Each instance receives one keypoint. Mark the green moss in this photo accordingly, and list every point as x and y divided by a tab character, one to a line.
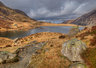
93	32
4	52
90	57
16	59
75	27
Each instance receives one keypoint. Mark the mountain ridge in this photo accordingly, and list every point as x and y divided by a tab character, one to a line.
86	19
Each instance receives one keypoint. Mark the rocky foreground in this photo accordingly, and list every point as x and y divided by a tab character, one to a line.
49	52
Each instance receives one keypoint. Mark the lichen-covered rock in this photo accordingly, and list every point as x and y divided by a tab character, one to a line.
78	65
6	57
72	49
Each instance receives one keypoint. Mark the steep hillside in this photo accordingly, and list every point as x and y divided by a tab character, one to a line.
12	14
14	19
89	18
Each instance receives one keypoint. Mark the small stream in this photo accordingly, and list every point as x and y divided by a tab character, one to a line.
19	34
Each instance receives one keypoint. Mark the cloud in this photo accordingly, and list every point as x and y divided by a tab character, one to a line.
51	8
66	8
80	10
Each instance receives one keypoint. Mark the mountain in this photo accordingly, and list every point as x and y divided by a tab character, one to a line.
68	21
14	19
86	19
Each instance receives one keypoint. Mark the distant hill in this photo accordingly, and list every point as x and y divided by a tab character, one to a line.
86	19
68	22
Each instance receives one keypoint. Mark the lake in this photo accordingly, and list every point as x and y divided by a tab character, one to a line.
19	34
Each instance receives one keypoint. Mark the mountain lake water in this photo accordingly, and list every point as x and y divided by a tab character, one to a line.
19	34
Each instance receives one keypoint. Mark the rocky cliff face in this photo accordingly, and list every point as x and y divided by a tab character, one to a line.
89	18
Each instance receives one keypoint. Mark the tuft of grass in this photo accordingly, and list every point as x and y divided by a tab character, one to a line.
93	41
93	32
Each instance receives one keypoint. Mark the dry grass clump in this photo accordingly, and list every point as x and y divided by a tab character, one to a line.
90	57
5	42
93	32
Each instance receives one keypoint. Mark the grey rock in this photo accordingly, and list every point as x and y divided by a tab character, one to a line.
11	56
78	65
72	50
25	54
7	57
16	40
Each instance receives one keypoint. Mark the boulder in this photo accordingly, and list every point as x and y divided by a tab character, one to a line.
6	57
72	50
78	65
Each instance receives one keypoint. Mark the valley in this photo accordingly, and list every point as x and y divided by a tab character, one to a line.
29	43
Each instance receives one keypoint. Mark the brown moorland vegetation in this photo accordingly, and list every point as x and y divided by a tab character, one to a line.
89	36
50	55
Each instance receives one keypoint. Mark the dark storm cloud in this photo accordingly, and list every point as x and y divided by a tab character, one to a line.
49	8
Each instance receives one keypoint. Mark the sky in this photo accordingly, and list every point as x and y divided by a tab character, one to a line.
52	8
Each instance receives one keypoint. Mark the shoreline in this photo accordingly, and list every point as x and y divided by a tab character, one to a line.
52	24
20	29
